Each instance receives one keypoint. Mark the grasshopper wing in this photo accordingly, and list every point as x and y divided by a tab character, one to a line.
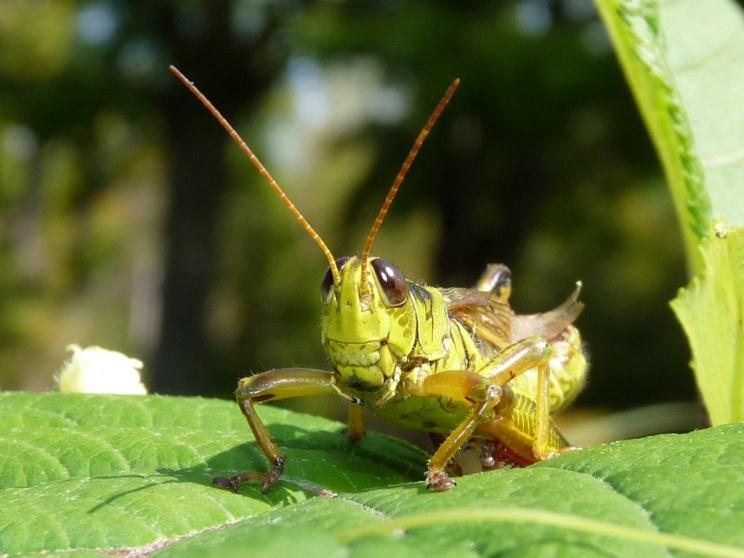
549	324
492	320
486	314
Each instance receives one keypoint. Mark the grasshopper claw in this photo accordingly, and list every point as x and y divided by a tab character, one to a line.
438	481
267	479
225	483
270	478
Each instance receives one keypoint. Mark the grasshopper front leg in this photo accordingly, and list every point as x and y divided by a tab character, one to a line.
483	391
272	386
355	429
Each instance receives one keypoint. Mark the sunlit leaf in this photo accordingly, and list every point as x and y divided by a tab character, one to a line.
711	310
683	61
89	475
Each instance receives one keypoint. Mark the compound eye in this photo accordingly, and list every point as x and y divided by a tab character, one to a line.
326	284
392	282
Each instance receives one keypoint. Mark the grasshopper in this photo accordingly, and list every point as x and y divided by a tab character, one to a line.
455	362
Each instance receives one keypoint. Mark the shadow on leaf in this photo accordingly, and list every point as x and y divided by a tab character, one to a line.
318	462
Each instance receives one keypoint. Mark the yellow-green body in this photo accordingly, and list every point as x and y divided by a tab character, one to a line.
377	352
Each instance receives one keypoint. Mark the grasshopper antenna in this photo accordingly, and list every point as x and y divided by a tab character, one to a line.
399	179
262	170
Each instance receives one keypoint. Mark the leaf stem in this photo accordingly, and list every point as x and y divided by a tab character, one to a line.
542	517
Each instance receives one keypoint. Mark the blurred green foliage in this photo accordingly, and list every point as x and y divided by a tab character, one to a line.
541	162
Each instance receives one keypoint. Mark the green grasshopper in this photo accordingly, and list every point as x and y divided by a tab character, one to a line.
457	363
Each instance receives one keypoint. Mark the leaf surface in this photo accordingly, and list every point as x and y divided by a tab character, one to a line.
87	475
711	311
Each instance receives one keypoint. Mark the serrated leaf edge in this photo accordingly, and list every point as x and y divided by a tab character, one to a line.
633	26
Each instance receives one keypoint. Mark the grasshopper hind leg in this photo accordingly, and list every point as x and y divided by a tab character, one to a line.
489	395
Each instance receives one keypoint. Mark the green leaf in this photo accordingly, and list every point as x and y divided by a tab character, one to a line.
711	311
683	61
113	472
86	475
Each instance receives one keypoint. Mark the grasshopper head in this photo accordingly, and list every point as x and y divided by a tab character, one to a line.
368	321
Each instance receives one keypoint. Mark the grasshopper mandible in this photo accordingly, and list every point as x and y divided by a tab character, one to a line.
454	362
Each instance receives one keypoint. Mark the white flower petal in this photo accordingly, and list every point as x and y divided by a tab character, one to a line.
98	370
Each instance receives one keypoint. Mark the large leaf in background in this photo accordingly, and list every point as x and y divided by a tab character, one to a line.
684	60
100	475
711	310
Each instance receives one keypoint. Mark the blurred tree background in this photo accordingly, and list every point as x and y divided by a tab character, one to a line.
130	221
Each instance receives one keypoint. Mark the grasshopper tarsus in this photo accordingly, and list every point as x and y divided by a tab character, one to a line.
225	483
438	481
268	479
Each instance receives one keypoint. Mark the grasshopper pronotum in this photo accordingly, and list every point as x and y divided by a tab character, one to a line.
455	362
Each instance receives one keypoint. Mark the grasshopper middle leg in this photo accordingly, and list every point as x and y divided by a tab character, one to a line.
270	386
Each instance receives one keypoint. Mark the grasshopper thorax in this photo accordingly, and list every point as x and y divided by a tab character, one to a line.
368	324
